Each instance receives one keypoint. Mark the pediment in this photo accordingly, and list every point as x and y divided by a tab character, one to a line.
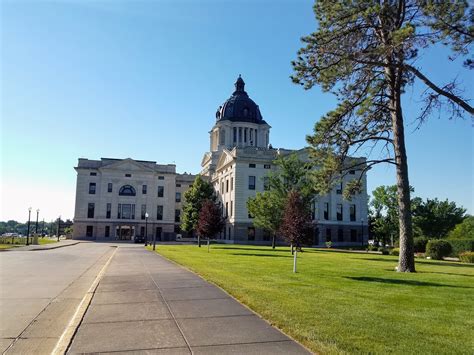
225	158
128	165
205	159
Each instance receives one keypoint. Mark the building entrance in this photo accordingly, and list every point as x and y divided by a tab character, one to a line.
125	232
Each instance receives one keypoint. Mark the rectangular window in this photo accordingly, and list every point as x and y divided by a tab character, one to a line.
340	235
178	185
251	233
144	188
235	134
161	177
119	211
90	210
251	182
92	188
177	229
339	212
158	233
240	134
89	231
266	183
128	175
231	183
222	186
267	166
159	213
161	191
142	231
107	231
353	213
339	189
108	211
178	197
326	211
227	185
93	174
127	211
109	187
328	235
245	135
252	166
226	209
177	215
353	235
231	208
313	210
143	212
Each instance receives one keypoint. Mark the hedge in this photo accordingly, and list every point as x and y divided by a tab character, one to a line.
467	257
437	249
460	245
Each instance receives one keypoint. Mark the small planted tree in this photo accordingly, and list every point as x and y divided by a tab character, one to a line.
296	226
267	209
200	191
210	221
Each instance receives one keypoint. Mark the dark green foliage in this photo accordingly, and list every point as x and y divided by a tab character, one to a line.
464	230
385	251
434	219
419	244
395	251
193	199
438	249
461	245
467	257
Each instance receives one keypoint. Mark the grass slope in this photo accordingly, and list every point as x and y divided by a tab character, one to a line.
345	302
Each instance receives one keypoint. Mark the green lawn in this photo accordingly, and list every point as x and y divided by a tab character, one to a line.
6	242
345	302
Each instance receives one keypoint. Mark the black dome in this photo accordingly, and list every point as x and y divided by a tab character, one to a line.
239	107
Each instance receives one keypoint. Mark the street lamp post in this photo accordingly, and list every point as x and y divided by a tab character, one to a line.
42	230
362	232
59	221
28	233
146	228
36	227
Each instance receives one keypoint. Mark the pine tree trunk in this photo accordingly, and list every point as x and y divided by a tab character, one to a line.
406	261
273	241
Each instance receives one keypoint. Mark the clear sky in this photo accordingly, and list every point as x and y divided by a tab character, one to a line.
143	79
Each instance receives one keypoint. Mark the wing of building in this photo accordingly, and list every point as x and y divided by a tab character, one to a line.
114	196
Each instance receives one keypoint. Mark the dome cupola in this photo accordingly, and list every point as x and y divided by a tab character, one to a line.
239	107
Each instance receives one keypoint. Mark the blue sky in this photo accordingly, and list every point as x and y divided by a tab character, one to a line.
143	79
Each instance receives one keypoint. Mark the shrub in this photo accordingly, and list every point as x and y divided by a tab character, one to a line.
463	230
395	251
461	245
372	248
384	251
437	249
467	257
420	244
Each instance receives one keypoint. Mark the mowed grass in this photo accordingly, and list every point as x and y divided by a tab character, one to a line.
6	242
345	302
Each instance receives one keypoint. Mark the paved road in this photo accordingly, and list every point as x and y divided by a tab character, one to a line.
40	290
143	303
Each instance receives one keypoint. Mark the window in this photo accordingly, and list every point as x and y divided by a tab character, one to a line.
313	210
108	211
326	211
177	215
266	183
161	177
231	183
231	208
93	174
353	235
90	210
340	235
352	172
142	231
107	231
109	187
127	190
267	166
158	233
143	212
339	212
144	188
178	185
353	213
328	235
226	209
222	186
251	233
89	231
128	175
161	191
252	165
126	211
178	197
159	213
235	134
177	229
227	185
251	182
240	134
339	189
92	188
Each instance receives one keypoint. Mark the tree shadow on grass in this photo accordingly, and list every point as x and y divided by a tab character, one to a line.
264	255
420	262
402	282
254	249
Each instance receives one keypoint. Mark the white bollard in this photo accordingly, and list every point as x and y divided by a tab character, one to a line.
294	260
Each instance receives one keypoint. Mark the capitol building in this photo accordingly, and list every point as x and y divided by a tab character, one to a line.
122	199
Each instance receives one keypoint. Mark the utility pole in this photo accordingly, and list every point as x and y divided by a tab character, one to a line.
59	221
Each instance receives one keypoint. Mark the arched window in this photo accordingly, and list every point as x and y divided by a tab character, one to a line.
127	190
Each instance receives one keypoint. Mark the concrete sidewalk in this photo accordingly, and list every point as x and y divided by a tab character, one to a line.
148	304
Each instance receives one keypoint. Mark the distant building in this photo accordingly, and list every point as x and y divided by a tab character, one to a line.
113	195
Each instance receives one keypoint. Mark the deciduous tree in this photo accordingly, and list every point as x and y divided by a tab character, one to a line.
210	221
365	52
